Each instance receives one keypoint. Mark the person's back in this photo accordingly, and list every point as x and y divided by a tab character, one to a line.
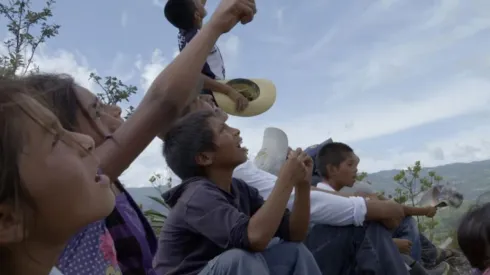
220	225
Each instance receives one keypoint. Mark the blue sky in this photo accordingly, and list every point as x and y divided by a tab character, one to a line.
400	81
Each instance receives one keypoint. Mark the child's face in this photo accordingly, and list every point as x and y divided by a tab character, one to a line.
346	173
229	153
59	173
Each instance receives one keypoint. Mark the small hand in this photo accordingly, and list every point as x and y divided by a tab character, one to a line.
404	246
230	12
241	102
294	171
308	163
431	211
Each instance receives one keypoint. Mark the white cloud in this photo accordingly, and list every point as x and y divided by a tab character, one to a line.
413	67
229	45
63	61
151	70
124	19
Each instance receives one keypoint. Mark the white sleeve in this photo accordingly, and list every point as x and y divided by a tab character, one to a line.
336	210
259	179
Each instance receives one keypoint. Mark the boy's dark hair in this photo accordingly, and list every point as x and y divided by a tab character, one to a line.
334	154
180	13
190	136
474	236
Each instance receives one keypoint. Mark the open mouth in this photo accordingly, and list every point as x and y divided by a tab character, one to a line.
239	145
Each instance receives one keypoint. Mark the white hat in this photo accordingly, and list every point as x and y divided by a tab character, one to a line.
274	151
261	94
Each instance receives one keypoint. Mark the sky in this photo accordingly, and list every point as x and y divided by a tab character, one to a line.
399	81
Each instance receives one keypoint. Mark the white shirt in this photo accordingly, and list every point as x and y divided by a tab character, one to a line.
326	208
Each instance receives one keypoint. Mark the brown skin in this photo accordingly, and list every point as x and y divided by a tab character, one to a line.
404	246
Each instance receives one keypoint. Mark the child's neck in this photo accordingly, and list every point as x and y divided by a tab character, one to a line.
222	178
34	258
335	185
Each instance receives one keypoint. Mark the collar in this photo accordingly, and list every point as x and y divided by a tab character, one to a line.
325	186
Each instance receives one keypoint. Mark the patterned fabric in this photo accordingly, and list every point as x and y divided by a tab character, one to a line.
90	252
134	239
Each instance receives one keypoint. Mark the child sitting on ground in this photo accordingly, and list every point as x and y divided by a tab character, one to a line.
220	225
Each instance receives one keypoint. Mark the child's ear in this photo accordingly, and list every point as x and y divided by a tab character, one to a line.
12	226
204	159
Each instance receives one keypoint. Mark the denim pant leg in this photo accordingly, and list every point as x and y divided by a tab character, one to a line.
387	252
408	230
340	250
288	258
429	252
236	262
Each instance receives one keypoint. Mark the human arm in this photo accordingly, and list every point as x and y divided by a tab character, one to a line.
169	93
240	101
300	216
325	207
419	211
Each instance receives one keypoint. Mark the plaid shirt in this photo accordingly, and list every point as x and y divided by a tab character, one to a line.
135	249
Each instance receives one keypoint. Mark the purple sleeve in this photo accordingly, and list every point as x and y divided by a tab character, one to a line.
210	214
256	201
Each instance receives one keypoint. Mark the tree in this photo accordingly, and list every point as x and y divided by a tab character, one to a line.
412	184
27	29
114	91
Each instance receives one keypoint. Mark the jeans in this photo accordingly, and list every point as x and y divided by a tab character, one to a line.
408	230
285	258
367	249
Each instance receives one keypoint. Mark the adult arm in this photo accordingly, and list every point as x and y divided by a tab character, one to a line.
163	103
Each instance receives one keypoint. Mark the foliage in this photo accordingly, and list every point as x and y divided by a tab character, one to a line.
28	29
160	183
411	185
114	90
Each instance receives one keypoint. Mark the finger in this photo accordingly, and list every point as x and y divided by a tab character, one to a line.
292	154
247	12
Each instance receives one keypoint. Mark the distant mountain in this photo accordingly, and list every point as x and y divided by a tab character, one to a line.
471	179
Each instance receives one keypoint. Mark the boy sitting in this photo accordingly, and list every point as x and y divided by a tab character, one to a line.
220	225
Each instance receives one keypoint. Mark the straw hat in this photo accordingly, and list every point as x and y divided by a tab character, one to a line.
261	94
274	151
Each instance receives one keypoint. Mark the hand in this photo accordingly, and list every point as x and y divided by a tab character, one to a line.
308	163
294	171
230	12
431	211
241	102
404	246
